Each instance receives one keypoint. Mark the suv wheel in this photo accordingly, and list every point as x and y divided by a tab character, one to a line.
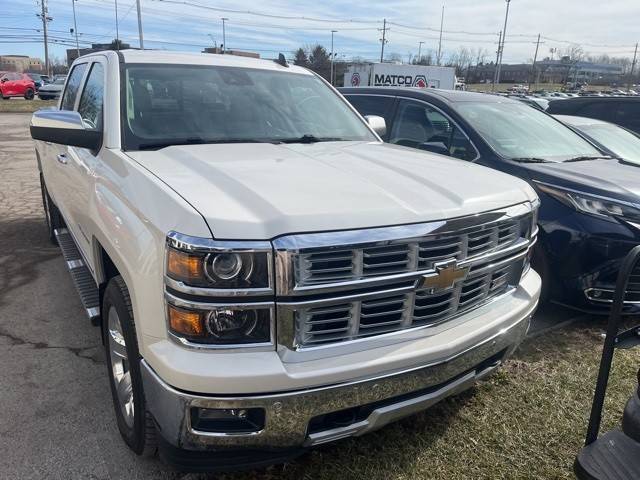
29	94
123	364
51	213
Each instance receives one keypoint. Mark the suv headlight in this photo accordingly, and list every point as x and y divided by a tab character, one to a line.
221	325
592	205
219	294
220	265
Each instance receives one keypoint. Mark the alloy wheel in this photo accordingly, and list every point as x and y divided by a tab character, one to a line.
120	367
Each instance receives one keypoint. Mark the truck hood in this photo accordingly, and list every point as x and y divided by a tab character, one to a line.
261	191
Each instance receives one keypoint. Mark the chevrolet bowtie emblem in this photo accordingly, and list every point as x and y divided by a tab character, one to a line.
445	277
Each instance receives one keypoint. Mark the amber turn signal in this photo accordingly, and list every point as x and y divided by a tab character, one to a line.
185	322
183	266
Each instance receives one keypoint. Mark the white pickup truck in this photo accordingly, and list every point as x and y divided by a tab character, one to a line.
269	275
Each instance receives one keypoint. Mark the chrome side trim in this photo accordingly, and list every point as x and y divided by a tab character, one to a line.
215	292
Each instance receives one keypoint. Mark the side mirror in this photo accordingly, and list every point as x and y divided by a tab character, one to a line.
64	127
377	124
3	80
435	147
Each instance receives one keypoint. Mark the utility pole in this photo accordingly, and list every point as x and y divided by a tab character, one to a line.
383	39
533	67
45	19
332	55
224	35
504	36
75	26
633	67
117	31
495	69
140	24
419	51
440	41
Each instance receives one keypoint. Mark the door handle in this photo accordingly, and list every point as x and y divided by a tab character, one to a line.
62	158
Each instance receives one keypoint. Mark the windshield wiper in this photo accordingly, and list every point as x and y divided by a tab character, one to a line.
199	141
531	160
582	158
308	138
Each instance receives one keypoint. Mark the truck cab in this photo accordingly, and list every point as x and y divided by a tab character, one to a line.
268	275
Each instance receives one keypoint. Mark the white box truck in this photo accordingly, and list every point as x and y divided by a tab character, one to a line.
398	75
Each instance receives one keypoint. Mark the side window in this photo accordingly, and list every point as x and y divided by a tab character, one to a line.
420	126
91	100
627	114
599	110
73	85
372	105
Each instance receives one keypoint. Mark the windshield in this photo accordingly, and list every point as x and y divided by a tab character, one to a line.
621	142
179	104
59	81
517	131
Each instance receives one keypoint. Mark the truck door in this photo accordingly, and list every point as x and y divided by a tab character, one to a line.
57	167
81	161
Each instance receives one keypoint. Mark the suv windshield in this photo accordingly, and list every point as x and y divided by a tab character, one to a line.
181	104
517	131
618	140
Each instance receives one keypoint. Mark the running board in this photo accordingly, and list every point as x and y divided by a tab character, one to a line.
80	274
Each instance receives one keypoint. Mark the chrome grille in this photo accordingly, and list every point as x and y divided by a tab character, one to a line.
325	265
392	312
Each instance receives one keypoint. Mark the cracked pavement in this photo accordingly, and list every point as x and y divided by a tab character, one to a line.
57	419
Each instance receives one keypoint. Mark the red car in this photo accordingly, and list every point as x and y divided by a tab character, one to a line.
16	85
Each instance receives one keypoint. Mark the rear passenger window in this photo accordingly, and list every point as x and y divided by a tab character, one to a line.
73	85
372	105
420	126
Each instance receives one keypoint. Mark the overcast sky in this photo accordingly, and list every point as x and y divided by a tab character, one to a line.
600	27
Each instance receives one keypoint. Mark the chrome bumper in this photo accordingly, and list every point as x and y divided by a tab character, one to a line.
288	414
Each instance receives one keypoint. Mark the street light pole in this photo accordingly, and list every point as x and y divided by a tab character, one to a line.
224	35
504	35
419	51
332	55
440	41
75	26
140	24
117	31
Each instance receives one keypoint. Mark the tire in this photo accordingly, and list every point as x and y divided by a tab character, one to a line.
123	365
29	94
52	216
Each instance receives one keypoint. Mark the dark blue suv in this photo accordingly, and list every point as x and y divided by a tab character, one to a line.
590	212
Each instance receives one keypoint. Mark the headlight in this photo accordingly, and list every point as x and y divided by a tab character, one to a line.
599	206
221	325
219	265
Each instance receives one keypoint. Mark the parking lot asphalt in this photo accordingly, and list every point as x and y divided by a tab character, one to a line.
57	419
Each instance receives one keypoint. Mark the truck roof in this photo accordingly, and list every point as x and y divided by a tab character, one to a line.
190	58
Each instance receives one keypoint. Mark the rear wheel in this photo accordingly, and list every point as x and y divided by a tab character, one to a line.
52	215
123	364
29	93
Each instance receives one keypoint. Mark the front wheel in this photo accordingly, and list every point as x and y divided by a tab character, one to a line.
29	94
123	364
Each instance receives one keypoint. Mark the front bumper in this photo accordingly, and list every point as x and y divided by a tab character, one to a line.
376	400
